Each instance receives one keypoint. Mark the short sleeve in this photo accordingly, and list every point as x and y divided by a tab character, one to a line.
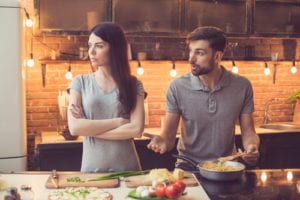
171	99
76	84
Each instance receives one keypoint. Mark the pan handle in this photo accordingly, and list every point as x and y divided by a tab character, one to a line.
187	159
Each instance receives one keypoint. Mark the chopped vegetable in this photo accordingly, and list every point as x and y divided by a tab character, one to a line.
119	175
133	194
74	179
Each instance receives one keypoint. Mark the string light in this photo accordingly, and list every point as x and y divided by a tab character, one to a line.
69	74
173	71
235	68
289	176
140	70
30	61
263	177
267	69
28	21
294	68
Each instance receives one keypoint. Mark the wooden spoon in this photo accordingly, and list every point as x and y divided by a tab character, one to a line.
231	157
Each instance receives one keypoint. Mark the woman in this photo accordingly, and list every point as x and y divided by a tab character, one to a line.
107	106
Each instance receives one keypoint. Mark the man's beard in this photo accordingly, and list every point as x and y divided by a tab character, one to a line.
202	70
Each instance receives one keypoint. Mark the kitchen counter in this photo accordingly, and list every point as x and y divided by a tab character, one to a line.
278	150
37	181
254	184
55	137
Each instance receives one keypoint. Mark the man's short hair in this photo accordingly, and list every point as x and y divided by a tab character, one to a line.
214	35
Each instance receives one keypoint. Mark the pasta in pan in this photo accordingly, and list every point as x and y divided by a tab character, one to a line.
218	166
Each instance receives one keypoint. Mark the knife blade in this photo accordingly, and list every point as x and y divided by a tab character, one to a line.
54	178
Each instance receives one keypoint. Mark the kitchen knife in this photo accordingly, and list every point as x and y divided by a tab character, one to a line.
54	178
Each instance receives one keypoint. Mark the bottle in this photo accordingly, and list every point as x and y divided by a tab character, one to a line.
26	192
12	194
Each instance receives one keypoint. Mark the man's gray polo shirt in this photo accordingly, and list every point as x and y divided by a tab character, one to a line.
209	116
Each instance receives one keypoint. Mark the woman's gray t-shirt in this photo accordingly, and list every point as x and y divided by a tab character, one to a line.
100	155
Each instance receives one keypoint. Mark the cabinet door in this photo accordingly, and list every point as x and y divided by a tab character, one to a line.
280	17
228	15
147	16
70	16
280	150
62	157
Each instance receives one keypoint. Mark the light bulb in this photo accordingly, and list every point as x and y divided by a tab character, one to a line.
69	75
294	69
30	61
29	22
140	71
263	177
235	69
267	71
289	176
173	72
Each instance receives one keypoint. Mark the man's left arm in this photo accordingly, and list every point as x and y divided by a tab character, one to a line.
250	139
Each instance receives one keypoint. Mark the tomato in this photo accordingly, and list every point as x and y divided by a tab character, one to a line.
160	190
180	184
173	191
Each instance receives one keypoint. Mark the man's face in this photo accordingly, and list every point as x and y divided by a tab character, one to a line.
201	57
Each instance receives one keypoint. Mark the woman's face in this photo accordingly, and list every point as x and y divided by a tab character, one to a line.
98	51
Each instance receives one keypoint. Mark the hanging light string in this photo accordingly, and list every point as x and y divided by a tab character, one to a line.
140	70
69	74
29	21
267	69
30	61
173	71
294	68
235	68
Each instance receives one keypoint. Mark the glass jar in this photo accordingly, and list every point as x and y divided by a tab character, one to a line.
26	192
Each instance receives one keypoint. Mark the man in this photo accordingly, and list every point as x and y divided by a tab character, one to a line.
209	100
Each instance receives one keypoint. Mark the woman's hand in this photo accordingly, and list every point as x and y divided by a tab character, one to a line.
251	154
77	111
157	144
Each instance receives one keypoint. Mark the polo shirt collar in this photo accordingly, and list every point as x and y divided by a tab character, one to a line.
196	83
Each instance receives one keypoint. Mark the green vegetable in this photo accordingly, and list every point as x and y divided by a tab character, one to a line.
74	179
119	175
133	194
293	97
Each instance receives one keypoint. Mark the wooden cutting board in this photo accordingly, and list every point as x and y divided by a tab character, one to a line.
63	183
144	180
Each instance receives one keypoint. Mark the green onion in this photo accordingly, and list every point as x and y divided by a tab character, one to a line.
74	179
119	175
134	195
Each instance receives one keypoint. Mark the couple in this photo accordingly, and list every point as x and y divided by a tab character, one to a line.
107	106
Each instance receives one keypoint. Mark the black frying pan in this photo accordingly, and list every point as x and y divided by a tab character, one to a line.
238	171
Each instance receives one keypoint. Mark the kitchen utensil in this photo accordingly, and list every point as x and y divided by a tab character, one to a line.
216	175
231	157
54	178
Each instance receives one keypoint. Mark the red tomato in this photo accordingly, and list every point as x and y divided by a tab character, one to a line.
160	190
181	185
173	191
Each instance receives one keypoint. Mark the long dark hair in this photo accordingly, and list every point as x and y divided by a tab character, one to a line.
119	64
